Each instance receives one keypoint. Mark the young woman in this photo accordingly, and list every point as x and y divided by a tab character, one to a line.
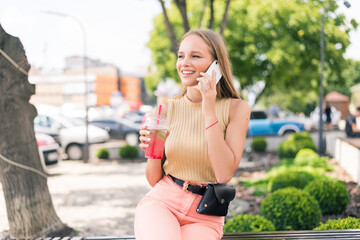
205	144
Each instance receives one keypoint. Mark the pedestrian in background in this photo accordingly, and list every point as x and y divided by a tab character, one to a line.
328	116
205	143
351	128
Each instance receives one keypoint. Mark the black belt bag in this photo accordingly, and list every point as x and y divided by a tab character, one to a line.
216	199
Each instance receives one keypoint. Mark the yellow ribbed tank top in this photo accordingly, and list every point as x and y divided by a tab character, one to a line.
186	146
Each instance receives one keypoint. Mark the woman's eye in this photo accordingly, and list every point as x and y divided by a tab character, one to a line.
196	56
180	56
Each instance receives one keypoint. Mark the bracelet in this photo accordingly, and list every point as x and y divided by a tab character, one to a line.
211	125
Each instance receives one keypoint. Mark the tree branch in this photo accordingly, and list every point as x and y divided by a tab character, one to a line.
170	30
225	18
181	4
212	19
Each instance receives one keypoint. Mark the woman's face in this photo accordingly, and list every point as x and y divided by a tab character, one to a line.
193	57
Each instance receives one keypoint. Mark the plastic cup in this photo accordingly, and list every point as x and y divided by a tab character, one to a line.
158	127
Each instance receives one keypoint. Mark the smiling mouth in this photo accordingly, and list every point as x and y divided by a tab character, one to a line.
187	72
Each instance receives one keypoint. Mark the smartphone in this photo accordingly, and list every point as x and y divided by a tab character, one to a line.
214	66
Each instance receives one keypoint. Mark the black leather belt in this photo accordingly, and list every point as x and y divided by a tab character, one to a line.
189	187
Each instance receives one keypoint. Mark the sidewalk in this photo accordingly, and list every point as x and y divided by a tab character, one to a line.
97	199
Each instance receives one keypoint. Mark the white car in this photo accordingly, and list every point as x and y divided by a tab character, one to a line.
72	132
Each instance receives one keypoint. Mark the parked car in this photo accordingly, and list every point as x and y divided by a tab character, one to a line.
261	125
72	132
49	151
48	131
135	116
124	129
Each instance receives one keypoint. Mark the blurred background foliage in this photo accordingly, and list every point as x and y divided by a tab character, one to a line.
277	42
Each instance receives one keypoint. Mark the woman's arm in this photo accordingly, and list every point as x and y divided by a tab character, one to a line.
154	171
225	154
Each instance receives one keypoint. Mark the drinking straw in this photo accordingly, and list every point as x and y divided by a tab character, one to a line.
158	117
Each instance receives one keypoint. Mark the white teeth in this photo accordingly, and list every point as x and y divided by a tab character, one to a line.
187	72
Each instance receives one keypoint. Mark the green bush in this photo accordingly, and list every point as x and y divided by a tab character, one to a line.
103	153
248	223
128	151
297	141
331	194
308	157
297	179
259	144
291	209
343	223
300	136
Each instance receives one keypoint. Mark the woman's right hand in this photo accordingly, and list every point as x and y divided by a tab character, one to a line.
144	138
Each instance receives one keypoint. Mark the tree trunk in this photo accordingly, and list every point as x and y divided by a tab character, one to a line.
202	13
28	202
170	30
225	18
212	18
181	4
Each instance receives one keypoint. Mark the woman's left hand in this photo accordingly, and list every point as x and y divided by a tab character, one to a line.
208	92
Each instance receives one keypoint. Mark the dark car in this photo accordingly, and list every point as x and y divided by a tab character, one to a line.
135	116
123	129
261	125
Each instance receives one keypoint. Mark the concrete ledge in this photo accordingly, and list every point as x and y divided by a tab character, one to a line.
347	154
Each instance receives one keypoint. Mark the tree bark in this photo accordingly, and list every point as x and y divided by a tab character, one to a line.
212	18
170	30
181	4
29	206
225	18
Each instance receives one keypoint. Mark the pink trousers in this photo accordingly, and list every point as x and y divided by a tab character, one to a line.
168	212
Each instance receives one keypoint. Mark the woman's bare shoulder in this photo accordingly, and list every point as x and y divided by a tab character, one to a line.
239	108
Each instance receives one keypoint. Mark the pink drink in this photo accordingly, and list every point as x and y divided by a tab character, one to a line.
156	146
157	126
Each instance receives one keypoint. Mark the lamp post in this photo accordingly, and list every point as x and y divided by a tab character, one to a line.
321	149
86	145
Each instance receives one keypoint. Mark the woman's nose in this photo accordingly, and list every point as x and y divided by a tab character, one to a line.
186	61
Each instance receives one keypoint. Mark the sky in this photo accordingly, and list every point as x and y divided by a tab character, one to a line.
116	30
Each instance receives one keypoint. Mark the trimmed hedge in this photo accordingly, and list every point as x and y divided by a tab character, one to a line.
296	141
308	157
248	223
331	194
291	209
128	151
297	179
341	223
299	136
103	153
259	144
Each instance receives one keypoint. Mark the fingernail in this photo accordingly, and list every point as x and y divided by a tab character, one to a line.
202	73
148	139
146	145
147	132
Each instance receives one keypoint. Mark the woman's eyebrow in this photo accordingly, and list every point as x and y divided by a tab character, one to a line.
192	52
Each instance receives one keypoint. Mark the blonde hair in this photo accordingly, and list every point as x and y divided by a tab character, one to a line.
225	88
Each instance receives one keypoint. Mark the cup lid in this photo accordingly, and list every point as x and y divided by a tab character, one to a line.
154	121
